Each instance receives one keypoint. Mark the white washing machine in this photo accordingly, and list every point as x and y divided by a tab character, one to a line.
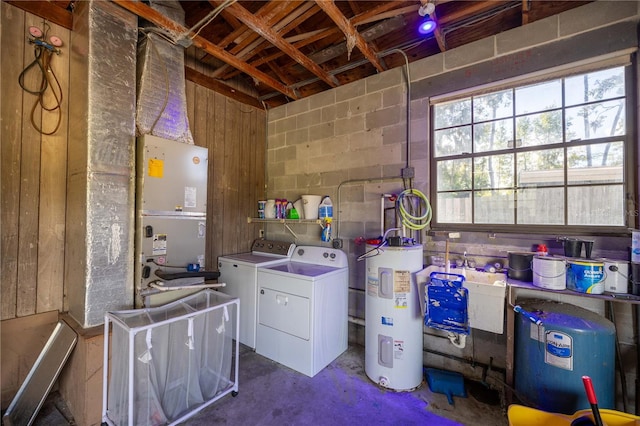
240	274
303	309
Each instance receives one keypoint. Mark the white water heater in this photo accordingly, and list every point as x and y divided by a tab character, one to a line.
394	317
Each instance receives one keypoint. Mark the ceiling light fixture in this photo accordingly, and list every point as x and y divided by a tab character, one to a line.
428	25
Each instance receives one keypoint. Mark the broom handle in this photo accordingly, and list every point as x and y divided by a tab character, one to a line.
591	396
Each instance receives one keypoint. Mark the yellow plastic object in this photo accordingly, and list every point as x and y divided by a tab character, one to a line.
519	415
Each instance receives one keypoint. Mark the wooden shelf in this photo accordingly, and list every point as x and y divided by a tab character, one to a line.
287	222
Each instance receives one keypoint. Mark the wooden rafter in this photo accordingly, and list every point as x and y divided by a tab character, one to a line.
378	13
438	34
350	32
525	12
268	34
217	86
47	10
269	20
162	21
255	49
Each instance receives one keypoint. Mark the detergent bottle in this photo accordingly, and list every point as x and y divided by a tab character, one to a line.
325	208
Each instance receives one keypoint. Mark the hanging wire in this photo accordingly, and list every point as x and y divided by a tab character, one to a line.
42	62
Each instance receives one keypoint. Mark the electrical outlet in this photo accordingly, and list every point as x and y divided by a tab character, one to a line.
337	243
262	233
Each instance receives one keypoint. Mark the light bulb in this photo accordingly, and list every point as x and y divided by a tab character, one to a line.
427	26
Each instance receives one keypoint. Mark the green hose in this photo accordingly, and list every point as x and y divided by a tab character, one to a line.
412	222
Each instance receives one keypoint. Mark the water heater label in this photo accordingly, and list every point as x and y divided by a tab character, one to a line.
401	288
401	281
398	349
386	321
372	286
401	301
559	350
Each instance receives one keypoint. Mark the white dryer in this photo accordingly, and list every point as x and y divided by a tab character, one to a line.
240	273
303	309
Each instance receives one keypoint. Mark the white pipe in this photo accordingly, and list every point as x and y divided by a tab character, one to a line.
457	340
336	210
356	320
185	287
105	368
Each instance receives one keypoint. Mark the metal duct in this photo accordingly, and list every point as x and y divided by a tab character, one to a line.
162	104
100	202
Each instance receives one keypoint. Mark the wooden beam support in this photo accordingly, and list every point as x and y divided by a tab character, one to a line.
274	38
46	10
378	13
438	34
217	86
296	16
525	12
470	9
350	32
162	21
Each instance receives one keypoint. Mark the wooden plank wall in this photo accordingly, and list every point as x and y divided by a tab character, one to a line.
33	172
33	184
235	135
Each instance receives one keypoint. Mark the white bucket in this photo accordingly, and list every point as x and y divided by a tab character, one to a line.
616	276
549	272
310	205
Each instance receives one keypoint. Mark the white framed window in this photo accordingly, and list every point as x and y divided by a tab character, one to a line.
553	153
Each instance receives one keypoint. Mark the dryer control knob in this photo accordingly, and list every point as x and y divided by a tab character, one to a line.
325	254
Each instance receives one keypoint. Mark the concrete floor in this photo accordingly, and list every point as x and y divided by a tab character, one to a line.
340	394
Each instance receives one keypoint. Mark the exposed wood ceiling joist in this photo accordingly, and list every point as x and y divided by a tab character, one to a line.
279	50
268	34
162	21
350	32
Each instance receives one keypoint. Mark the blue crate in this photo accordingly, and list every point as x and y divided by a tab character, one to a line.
447	302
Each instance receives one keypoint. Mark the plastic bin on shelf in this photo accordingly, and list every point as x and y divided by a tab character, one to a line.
169	362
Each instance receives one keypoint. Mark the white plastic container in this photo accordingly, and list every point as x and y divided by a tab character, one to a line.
550	272
310	205
325	209
270	209
616	278
635	246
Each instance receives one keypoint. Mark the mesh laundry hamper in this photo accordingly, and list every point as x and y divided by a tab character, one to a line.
169	362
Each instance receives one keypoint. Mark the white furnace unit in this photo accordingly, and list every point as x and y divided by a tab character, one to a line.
171	206
303	309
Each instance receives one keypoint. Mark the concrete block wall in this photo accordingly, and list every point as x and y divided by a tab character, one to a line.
350	143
